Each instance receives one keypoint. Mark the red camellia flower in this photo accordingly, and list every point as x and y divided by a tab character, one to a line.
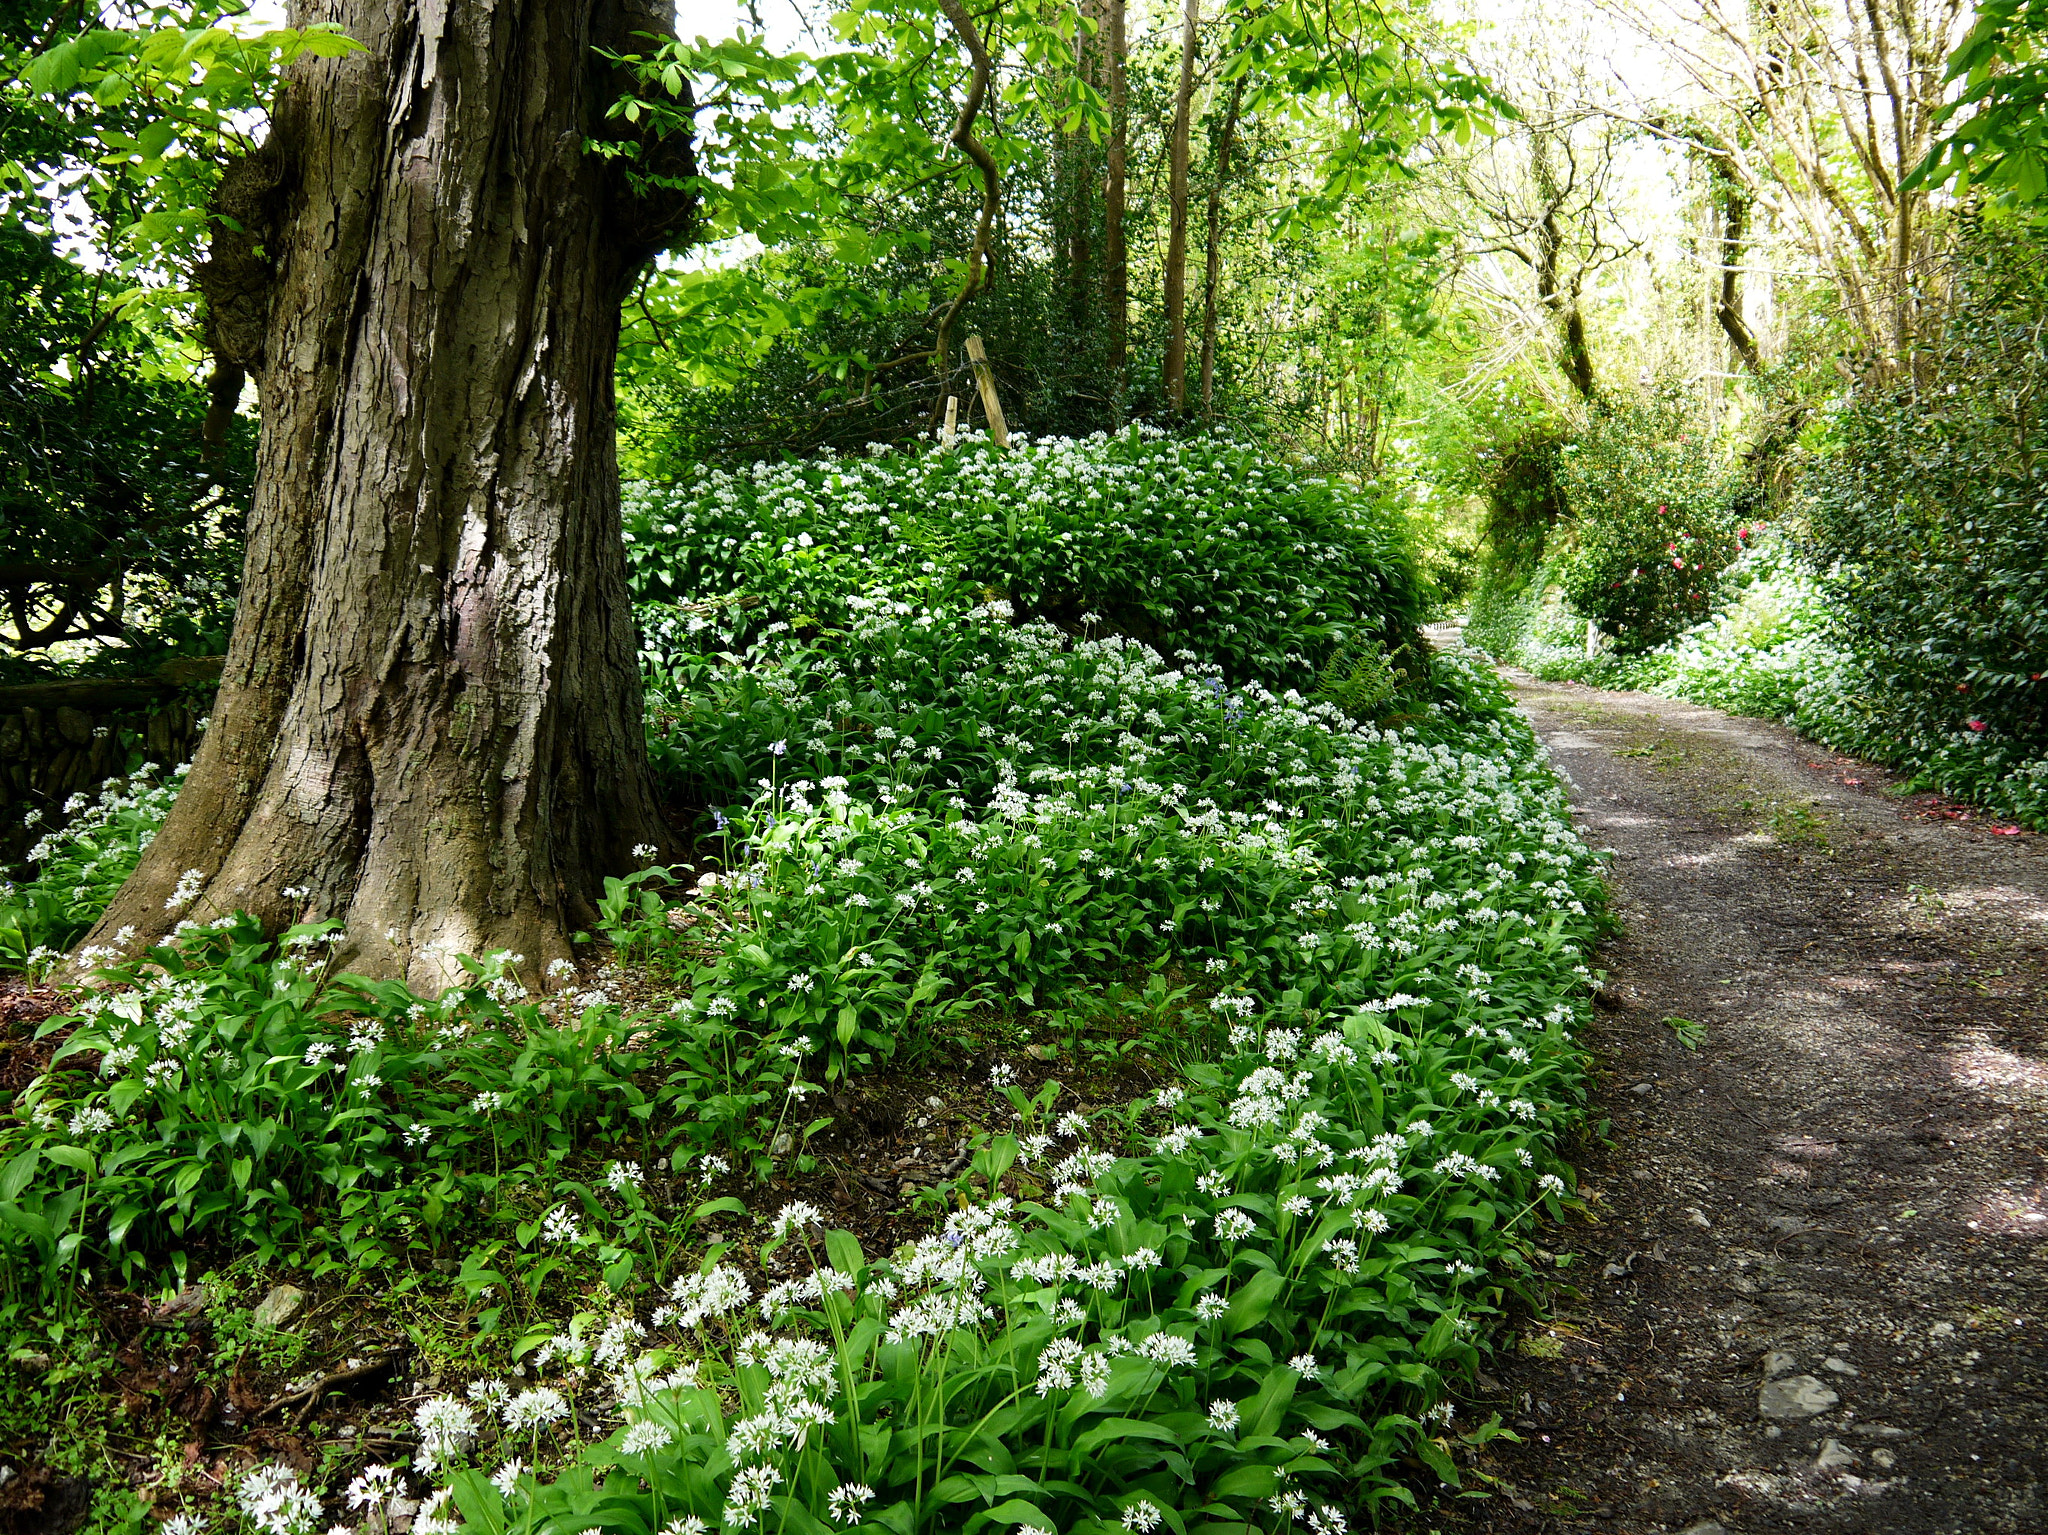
1976	724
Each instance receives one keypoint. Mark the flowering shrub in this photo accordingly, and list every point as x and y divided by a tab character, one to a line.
1926	502
1766	634
1652	523
1848	705
1916	634
80	864
1202	543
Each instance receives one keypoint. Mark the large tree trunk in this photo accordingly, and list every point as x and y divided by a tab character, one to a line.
430	721
1116	265
1175	373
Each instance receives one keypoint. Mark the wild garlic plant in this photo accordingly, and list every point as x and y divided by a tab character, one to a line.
936	690
1253	1313
1248	1314
1244	1302
1210	539
78	864
1243	838
243	1089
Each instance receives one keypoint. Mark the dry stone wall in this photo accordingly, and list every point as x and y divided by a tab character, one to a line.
67	737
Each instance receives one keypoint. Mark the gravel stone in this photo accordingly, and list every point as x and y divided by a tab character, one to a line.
1834	1456
1794	1397
278	1306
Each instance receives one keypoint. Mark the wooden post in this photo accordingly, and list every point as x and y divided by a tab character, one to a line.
952	423
985	381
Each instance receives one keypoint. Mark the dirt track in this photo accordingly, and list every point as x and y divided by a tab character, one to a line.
1812	1290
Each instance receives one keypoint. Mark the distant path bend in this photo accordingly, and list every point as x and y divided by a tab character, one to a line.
1814	1294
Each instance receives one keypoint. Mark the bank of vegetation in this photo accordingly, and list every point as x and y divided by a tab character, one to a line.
949	958
1249	972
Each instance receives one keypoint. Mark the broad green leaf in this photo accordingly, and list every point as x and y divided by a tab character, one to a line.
76	1157
20	1170
1253	1300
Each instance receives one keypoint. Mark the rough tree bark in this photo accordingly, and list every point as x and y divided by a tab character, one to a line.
1116	264
430	719
1175	372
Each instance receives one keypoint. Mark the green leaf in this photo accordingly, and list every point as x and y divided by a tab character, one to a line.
326	40
962	1489
843	1249
1254	1299
56	72
71	1156
1434	1456
1012	1512
996	1158
1268	1406
1254	1481
27	1220
1442	1334
19	1171
123	1217
1109	1430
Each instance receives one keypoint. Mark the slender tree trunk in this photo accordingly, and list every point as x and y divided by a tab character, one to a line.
1728	308
429	727
1078	195
1212	271
1116	266
980	254
1578	357
1559	299
1175	375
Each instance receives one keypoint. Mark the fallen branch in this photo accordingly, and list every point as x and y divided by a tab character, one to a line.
310	1395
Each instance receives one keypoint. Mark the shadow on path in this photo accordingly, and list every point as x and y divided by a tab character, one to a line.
1809	1291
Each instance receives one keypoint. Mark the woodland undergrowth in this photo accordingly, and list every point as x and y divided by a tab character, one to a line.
987	784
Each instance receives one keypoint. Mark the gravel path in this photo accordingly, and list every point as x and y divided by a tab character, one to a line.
1809	1290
